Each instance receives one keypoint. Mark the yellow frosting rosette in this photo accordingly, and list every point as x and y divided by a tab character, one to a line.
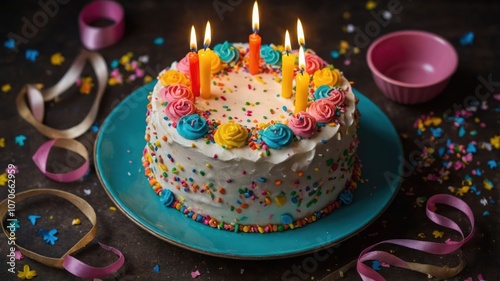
215	63
327	76
171	76
231	135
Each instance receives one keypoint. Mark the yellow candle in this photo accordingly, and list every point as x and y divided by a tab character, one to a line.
288	64
302	84
205	65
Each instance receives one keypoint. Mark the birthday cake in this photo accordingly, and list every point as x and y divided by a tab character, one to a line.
244	159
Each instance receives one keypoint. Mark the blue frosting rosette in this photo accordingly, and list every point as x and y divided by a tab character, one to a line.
270	55
277	135
192	126
322	92
227	52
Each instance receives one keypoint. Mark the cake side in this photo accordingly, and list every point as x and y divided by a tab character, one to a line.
254	184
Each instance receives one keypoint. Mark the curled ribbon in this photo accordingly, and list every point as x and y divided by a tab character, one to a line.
68	262
368	274
42	154
36	97
93	37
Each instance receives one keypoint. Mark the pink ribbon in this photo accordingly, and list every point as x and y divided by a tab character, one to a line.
93	37
83	270
41	155
367	273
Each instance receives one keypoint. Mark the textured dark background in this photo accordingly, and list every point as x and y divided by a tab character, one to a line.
323	21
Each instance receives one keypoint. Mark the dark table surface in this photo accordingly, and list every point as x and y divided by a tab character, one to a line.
323	22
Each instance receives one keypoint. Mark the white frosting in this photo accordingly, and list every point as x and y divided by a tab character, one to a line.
243	185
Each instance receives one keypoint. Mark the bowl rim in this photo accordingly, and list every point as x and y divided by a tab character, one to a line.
410	32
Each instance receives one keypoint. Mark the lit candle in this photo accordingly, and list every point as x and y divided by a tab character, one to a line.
302	84
254	42
205	65
194	66
288	64
300	34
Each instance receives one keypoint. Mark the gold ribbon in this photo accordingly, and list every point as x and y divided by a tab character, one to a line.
81	204
437	272
36	97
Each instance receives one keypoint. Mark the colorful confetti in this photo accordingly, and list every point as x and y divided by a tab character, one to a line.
156	268
195	274
56	59
3	179
10	44
27	273
467	39
49	236
20	139
6	88
31	55
158	41
33	219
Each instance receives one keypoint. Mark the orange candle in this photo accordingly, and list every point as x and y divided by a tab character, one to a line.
205	65
254	42
194	66
302	84
287	67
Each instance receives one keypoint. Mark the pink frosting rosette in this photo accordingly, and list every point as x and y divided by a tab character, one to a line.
337	96
313	63
323	110
178	108
176	92
302	124
183	65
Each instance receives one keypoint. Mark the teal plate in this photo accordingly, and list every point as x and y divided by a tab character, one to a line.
118	152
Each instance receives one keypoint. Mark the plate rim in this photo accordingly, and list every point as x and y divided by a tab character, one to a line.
150	229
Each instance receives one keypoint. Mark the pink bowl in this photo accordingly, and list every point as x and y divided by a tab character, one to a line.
411	67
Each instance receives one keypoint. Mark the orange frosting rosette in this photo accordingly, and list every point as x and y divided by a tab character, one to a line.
231	135
171	76
215	63
327	76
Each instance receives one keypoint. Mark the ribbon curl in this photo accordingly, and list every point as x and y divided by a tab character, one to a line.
368	274
70	263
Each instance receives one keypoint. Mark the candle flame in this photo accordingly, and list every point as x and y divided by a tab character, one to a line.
207	39
255	17
302	59
192	45
300	33
288	45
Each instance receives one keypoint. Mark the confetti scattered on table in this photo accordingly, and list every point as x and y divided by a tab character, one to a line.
2	142
159	41
33	219
86	85
156	268
6	88
87	191
18	255
112	208
195	274
76	221
438	234
56	59
376	265
370	5
467	39
10	43
3	179
20	139
27	273
31	55
49	236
